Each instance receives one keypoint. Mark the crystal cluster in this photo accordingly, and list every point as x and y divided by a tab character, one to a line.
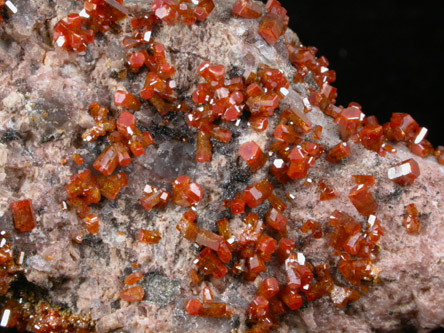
217	103
171	11
208	307
79	29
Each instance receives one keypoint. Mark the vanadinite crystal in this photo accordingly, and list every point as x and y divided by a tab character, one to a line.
133	278
133	294
274	23
411	221
23	215
154	197
92	224
363	200
404	173
253	155
126	100
71	35
256	194
338	152
185	193
247	9
148	236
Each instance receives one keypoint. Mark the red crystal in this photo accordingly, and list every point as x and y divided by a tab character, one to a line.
238	205
148	236
402	127
185	193
315	227
104	12
439	153
203	9
291	298
404	173
286	246
77	159
411	221
92	224
253	155
193	307
107	161
268	288
203	149
363	200
276	220
257	193
111	186
349	121
71	35
258	309
338	152
133	294
83	191
372	137
126	100
132	278
422	149
327	193
363	179
247	9
154	197
209	264
271	28
258	123
23	215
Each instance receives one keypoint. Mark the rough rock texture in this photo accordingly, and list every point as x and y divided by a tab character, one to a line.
45	93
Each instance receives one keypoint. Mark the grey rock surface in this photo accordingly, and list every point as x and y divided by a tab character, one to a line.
45	93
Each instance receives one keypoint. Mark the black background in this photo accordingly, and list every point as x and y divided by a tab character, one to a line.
388	55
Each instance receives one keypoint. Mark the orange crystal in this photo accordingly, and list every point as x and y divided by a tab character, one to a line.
253	155
404	173
132	278
363	200
92	224
247	9
126	100
185	193
411	221
148	236
111	186
364	179
338	152
257	193
23	215
268	288
133	294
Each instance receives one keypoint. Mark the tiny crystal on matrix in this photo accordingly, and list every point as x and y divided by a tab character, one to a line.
132	278
132	294
338	152
23	215
411	221
92	224
148	236
404	173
